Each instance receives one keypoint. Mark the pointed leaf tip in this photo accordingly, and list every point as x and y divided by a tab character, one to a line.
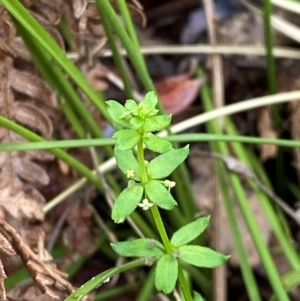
163	165
190	231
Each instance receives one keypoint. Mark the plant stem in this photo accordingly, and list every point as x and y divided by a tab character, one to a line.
141	160
184	285
159	223
161	228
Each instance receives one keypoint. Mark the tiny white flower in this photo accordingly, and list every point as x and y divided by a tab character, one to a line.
169	184
145	204
106	280
130	173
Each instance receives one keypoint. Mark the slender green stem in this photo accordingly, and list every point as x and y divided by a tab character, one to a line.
99	279
116	55
133	52
184	285
141	160
7	147
159	222
128	22
161	228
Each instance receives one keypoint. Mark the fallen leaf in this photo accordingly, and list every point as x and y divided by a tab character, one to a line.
178	92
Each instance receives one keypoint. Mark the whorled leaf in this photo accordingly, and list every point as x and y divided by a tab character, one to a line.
157	144
190	231
201	256
157	123
166	273
198	297
126	202
118	113
159	195
128	164
131	106
141	247
126	139
163	165
147	106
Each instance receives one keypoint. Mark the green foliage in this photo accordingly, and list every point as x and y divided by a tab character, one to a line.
201	256
149	188
142	247
190	231
126	202
163	165
159	195
166	273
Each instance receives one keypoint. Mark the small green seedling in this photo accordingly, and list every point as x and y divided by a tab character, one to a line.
149	189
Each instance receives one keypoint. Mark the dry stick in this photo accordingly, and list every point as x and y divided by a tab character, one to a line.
219	273
242	169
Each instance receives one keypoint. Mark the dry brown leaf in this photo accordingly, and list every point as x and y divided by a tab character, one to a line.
19	49
46	275
19	204
32	117
79	7
178	92
265	129
50	10
32	86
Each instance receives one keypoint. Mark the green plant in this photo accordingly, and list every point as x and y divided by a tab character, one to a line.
148	188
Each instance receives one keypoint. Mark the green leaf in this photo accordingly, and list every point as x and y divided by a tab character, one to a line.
142	247
126	202
136	123
127	162
198	297
166	273
157	123
118	113
163	165
131	106
201	256
126	139
190	231
147	106
158	194
157	144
